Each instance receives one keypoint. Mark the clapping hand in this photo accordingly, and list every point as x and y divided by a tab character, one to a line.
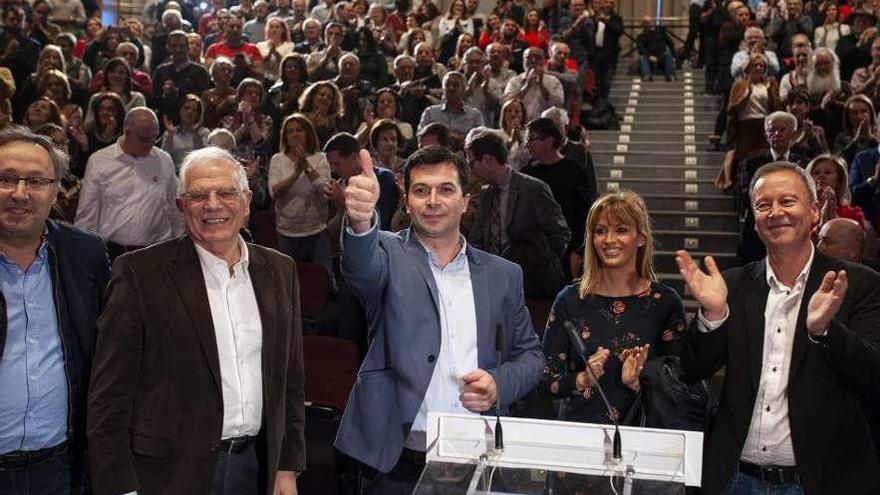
633	363
361	195
708	288
825	302
596	362
169	125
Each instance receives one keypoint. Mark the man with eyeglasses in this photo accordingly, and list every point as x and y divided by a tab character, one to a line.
198	372
51	277
568	180
129	189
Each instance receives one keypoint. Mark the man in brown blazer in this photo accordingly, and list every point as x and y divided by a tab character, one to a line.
197	384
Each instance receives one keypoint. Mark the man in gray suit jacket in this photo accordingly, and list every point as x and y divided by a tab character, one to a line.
431	349
518	219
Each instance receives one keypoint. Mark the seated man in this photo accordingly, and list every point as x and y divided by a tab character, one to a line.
655	51
324	64
458	117
537	89
827	92
754	43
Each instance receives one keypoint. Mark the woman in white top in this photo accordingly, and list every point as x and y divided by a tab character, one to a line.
456	16
276	45
513	127
296	182
189	135
831	30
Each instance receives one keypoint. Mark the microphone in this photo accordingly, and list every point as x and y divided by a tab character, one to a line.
581	349
499	348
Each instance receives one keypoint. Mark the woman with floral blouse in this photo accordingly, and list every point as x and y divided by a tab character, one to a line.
623	314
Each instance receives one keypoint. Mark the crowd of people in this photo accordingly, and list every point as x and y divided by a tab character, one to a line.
436	166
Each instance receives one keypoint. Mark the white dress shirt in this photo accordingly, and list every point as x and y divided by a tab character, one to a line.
128	200
458	344
768	442
239	333
534	100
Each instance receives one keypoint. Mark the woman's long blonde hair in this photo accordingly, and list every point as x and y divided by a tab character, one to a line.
623	206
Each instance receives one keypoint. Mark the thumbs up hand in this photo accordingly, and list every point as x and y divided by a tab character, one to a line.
361	195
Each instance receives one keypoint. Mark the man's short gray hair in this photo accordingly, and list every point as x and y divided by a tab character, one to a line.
171	13
222	139
211	155
400	58
20	134
558	115
782	166
781	115
474	50
346	56
453	73
136	112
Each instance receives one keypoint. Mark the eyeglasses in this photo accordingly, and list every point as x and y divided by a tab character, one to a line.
202	196
9	182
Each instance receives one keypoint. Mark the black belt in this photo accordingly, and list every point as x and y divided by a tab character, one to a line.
21	459
232	445
775	475
413	456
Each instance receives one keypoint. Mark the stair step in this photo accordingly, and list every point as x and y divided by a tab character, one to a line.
701	127
636	156
661	186
721	221
677	147
710	241
606	172
689	203
683	134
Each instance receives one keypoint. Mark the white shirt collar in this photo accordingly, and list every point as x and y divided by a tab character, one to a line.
801	279
213	261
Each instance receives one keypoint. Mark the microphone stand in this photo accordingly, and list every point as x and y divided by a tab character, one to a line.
499	347
581	348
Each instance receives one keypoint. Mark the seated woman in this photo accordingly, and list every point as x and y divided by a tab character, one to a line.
106	127
297	175
220	100
623	314
42	111
512	124
385	142
810	140
859	128
178	140
387	106
248	123
750	101
832	190
118	80
322	104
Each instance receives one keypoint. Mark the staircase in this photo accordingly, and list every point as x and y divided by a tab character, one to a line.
659	152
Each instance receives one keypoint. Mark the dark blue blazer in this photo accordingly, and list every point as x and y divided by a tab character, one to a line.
391	275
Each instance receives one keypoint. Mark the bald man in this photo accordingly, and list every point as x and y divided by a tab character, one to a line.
842	238
129	189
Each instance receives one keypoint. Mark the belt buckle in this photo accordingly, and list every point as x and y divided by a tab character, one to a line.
773	475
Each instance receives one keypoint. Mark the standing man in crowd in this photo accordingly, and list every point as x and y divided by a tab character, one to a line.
198	379
453	112
129	189
518	218
568	180
433	304
52	278
178	77
799	334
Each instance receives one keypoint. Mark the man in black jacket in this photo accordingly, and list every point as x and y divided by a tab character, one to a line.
655	51
52	277
609	29
799	334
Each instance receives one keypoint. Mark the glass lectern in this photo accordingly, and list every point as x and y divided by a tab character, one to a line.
543	457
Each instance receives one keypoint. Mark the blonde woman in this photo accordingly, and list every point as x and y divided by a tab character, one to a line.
622	313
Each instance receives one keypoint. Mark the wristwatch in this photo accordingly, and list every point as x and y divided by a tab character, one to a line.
870	181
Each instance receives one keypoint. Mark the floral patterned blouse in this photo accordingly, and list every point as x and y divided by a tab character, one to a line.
654	317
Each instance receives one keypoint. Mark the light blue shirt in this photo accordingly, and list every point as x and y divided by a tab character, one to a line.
460	121
33	382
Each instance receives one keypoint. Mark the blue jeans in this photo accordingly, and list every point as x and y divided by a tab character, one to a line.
665	60
237	474
50	476
743	484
